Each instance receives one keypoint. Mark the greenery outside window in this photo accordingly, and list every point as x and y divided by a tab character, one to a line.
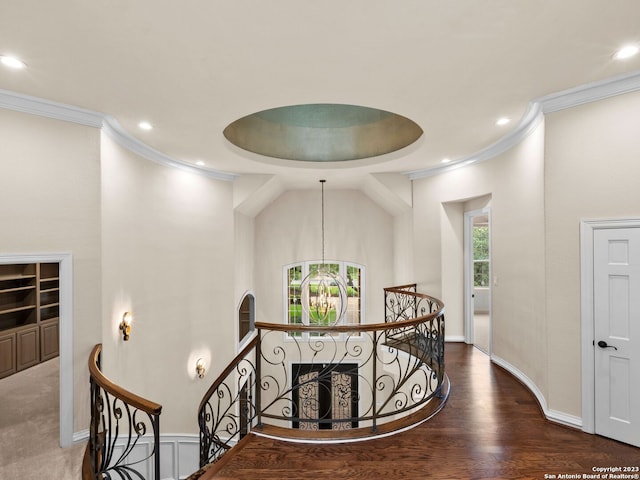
353	275
480	256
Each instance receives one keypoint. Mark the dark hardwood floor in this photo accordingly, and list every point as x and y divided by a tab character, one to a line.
491	428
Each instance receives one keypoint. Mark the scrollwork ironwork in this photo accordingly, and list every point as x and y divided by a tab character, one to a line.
119	422
368	374
228	409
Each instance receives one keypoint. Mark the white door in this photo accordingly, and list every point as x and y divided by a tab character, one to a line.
616	286
477	261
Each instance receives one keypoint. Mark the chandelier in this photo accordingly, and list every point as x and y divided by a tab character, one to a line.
323	291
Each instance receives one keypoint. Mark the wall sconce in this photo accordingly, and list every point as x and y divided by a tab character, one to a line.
125	325
200	368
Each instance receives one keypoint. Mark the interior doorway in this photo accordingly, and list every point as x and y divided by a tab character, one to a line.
64	331
610	269
477	277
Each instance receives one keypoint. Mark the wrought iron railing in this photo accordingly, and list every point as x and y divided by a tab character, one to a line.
331	383
119	421
228	409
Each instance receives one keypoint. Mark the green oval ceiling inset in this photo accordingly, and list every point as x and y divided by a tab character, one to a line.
322	132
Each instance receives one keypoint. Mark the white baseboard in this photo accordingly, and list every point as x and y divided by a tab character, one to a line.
454	338
81	436
564	418
551	415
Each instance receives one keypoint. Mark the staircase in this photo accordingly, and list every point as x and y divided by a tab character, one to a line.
313	385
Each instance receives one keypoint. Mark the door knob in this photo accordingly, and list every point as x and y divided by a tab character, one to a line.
603	344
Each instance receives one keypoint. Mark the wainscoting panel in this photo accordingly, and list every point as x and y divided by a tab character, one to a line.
168	458
179	454
137	457
188	457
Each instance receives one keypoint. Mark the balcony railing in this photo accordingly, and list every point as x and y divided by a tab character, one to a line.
119	421
339	383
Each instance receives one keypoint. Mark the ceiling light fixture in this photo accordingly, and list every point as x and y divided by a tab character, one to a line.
12	62
502	121
445	160
323	292
627	51
145	125
200	163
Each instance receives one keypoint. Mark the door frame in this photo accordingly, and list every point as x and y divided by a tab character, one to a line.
587	230
468	272
65	333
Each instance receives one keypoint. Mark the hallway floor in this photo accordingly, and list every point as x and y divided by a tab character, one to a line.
491	428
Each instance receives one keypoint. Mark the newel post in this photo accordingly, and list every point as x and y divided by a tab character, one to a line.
259	378
374	427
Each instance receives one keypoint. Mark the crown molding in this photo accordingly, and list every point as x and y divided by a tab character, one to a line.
70	113
112	128
529	121
47	108
589	92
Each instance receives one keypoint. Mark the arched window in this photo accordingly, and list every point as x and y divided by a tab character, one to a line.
352	273
246	316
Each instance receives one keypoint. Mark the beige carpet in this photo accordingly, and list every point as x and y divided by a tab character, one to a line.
29	427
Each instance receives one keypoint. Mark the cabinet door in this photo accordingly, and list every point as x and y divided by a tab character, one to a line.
48	340
7	354
28	347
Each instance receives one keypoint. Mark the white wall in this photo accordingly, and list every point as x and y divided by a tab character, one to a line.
168	258
160	242
289	230
592	172
50	203
244	262
515	182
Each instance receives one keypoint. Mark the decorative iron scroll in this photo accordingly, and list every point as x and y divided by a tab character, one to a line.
394	373
228	410
119	420
331	378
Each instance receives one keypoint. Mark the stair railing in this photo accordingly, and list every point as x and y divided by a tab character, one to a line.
119	421
382	377
228	410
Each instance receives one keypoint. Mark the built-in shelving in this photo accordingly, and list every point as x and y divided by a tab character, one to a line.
29	315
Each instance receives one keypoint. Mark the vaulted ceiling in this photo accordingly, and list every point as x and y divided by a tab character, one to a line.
192	67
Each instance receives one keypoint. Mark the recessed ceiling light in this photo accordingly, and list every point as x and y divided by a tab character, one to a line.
200	163
502	121
12	62
627	52
145	125
446	160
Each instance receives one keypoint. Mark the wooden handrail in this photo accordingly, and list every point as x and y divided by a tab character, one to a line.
258	383
232	364
363	327
403	288
107	385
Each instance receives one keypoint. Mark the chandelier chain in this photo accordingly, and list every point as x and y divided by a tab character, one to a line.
322	185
